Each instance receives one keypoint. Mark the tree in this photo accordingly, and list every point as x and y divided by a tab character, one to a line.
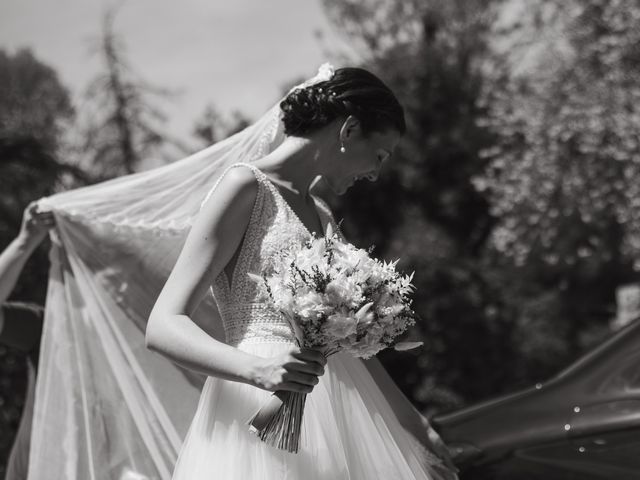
433	61
424	208
212	126
562	176
33	102
514	196
124	126
35	110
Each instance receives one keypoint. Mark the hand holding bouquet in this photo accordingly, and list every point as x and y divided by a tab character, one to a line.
336	297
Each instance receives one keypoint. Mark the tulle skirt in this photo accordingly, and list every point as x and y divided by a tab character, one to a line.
349	432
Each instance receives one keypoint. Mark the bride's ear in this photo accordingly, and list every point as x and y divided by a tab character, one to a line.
350	127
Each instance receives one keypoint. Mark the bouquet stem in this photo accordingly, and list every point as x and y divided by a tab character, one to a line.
279	422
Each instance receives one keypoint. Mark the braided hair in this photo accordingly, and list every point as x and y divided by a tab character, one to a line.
350	91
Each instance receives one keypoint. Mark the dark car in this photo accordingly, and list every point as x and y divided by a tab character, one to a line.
582	424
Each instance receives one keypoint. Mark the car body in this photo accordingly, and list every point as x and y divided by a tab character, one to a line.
584	423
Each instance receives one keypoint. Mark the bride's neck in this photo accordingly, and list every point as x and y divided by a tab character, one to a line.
293	164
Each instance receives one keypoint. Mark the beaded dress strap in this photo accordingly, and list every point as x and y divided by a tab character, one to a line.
259	176
247	244
252	235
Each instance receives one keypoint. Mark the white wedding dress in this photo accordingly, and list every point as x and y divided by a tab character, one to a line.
349	430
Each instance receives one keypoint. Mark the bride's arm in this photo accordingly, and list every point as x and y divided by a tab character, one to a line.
212	241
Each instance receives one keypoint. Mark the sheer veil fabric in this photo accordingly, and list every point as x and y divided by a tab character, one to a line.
105	406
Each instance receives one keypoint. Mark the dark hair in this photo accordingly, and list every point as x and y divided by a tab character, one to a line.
350	91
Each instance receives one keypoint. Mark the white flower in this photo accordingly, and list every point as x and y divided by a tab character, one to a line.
309	305
283	296
325	72
365	347
311	257
344	290
340	325
387	320
350	258
319	285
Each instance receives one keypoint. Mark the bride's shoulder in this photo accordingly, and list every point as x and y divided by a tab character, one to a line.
237	186
241	174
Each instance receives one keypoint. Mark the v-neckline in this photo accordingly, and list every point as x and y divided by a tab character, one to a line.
229	281
293	212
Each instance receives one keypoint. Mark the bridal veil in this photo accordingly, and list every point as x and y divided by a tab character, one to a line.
105	406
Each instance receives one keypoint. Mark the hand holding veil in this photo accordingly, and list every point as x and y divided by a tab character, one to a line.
106	407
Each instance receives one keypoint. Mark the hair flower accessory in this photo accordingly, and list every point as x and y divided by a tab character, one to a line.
325	72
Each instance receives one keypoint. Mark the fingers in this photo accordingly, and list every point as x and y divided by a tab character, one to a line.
302	378
33	216
296	370
44	218
303	370
310	355
296	387
311	368
307	362
32	207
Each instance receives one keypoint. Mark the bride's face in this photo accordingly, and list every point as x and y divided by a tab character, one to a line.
363	158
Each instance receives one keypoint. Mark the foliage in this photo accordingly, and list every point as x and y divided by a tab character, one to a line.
32	99
424	208
563	173
122	125
513	193
212	126
35	108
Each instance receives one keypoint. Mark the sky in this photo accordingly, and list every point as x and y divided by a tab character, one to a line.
234	54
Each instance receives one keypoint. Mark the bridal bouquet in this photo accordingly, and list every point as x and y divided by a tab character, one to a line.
336	297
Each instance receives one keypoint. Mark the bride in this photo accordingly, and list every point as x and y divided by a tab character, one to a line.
357	424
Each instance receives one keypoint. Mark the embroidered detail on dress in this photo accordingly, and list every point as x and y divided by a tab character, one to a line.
255	323
272	231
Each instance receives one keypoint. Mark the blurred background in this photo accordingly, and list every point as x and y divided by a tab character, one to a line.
514	196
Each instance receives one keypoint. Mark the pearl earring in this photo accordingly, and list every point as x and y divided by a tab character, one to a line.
342	149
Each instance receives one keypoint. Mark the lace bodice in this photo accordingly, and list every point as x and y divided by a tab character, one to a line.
273	229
